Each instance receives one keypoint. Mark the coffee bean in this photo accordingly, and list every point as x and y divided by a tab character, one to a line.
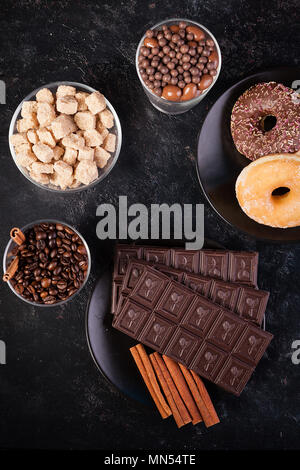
57	270
50	299
52	265
61	285
41	235
45	283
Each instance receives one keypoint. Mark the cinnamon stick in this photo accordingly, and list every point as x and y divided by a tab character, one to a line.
152	377
17	236
165	387
11	270
197	396
175	394
206	398
163	408
183	389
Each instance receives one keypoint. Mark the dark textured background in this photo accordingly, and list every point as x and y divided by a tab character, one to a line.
51	394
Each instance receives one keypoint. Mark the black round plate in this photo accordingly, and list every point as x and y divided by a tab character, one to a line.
219	163
109	347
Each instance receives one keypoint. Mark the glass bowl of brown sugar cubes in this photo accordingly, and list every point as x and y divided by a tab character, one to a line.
177	61
65	137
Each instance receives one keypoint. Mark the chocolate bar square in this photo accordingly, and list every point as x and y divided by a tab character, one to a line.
198	283
252	345
186	260
116	291
133	273
131	318
252	304
149	287
172	273
182	346
224	294
214	264
121	302
174	301
157	332
159	255
243	267
234	375
123	255
208	361
226	330
200	316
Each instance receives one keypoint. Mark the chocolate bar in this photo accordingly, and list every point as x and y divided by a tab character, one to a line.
233	266
212	261
246	302
209	339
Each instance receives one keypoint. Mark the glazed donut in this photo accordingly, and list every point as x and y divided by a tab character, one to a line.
249	117
255	188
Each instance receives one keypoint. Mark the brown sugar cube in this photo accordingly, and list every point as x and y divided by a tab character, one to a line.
85	120
45	96
46	137
65	90
41	178
45	114
43	152
75	184
86	171
23	148
23	125
80	97
110	143
65	174
63	169
58	152
74	141
32	136
56	180
64	182
29	108
67	104
102	129
101	157
18	139
107	118
86	153
70	156
38	167
92	138
95	102
26	159
62	126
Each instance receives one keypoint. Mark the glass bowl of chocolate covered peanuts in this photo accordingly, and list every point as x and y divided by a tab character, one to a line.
46	263
65	137
177	61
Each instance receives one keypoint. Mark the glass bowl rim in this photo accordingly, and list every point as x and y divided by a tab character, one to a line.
160	23
54	221
82	187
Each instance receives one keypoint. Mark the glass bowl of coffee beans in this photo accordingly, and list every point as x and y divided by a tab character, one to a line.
177	61
46	263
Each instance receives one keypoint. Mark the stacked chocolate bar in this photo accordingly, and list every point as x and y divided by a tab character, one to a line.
201	308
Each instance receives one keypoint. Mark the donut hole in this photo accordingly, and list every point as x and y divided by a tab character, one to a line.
281	191
267	122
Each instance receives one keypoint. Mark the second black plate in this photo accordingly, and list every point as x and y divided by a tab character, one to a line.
219	163
109	347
